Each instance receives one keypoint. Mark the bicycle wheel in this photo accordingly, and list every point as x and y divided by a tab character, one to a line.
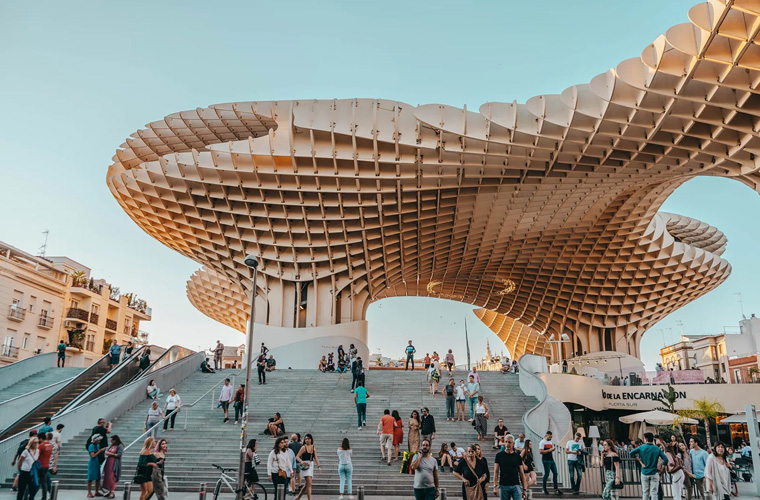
217	488
255	491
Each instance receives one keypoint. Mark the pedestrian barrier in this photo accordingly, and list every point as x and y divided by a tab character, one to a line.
54	490
127	490
202	492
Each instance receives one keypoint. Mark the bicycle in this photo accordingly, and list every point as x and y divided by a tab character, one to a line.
253	491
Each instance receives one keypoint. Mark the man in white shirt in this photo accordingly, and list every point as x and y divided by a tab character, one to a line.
520	441
457	453
225	396
574	448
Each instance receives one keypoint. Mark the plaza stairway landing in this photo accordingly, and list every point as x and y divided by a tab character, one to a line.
310	402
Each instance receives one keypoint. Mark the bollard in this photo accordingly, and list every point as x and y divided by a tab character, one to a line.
127	489
54	491
442	492
202	492
280	493
360	495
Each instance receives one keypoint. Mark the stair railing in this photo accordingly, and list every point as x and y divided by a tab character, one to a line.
12	407
212	391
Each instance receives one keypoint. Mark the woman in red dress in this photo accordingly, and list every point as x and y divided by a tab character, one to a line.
398	432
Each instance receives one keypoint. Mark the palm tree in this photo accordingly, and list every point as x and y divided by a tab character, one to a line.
706	410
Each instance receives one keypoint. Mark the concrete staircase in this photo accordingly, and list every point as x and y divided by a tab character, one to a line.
310	402
38	381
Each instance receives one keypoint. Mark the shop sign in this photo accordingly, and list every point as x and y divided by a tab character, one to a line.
645	399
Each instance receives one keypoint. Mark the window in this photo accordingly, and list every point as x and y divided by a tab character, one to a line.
18	298
40	343
25	342
74	304
738	376
32	303
90	346
95	309
46	307
8	340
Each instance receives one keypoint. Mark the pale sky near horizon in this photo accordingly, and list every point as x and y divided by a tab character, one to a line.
79	77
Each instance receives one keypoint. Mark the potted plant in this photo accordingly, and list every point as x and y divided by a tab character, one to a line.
76	338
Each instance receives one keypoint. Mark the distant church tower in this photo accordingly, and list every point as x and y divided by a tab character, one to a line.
488	350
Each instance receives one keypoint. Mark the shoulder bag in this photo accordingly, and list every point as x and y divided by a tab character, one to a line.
473	492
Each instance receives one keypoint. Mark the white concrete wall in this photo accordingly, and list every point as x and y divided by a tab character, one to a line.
301	348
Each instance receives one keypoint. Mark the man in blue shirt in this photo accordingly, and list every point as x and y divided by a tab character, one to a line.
410	350
698	462
648	455
115	351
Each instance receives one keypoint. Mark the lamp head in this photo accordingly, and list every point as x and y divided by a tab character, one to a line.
251	261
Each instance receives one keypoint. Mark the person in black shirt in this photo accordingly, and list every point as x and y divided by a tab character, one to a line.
427	426
102	429
483	463
530	466
508	471
611	468
470	471
356	370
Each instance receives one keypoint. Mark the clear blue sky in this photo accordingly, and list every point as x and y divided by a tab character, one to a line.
78	77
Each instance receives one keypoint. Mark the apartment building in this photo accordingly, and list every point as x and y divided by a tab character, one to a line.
56	298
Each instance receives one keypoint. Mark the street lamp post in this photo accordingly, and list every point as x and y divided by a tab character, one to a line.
563	339
252	262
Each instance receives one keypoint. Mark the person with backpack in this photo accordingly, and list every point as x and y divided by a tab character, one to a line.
115	352
27	482
356	370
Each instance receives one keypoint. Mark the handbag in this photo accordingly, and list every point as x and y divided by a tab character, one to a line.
282	473
473	492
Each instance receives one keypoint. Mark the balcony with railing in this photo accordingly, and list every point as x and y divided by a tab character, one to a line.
9	351
45	322
111	325
76	313
16	313
94	318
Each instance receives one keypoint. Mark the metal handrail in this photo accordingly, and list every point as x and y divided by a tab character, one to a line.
191	405
83	375
156	365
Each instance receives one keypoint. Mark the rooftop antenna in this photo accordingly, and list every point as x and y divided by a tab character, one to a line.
680	323
42	249
741	304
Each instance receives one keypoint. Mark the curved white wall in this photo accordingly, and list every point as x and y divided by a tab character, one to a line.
312	343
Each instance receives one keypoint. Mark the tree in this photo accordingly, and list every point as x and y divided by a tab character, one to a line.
706	410
668	398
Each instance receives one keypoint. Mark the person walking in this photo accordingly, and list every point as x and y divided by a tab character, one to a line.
526	452
546	449
470	471
264	349
385	431
237	402
295	446
153	417
648	455
611	462
251	461
509	476
481	419
146	462
484	464
450	392
27	458
307	458
61	354
356	369
688	482
93	465
112	467
425	469
574	451
449	359
474	374
413	436
218	352
115	353
427	426
426	362
46	449
225	397
159	484
279	466
409	350
261	368
717	473
472	391
345	467
675	469
435	377
461	392
172	407
360	399
698	462
398	433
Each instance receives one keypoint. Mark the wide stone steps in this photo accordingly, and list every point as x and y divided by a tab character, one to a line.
39	380
310	402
